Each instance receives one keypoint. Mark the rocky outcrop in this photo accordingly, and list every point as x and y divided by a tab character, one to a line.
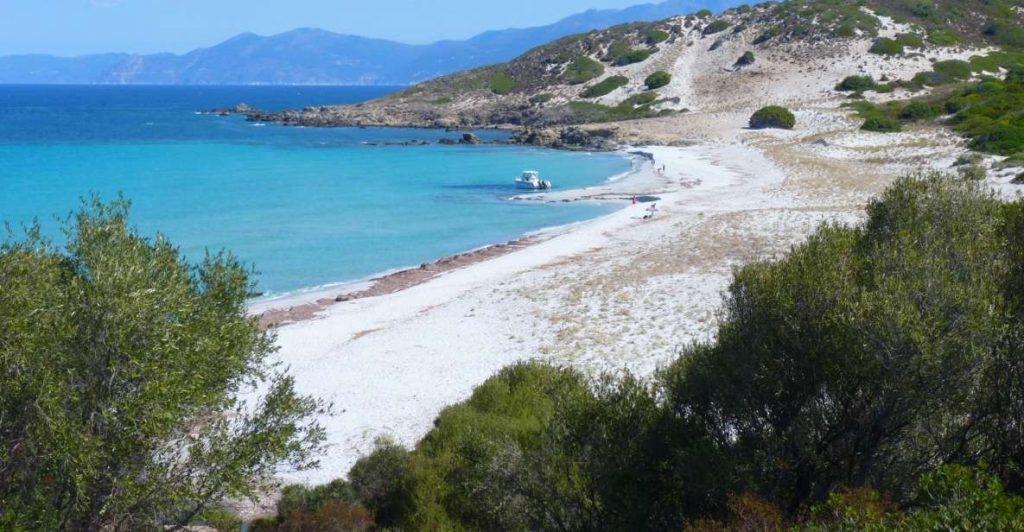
240	109
569	138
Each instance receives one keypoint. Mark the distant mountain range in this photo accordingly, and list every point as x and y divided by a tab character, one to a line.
315	56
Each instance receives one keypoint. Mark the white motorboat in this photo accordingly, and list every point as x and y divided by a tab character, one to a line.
531	179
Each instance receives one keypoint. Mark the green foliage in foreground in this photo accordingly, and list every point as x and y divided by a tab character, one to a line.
605	86
121	369
872	379
658	80
773	117
582	70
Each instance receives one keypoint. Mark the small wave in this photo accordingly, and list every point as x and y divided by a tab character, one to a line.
257	124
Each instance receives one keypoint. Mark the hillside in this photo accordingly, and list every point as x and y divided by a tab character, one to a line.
792	53
316	56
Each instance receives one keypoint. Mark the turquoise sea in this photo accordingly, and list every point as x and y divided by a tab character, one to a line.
306	207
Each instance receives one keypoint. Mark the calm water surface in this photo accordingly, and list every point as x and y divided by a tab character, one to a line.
305	206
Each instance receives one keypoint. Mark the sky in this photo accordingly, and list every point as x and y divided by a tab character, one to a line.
76	27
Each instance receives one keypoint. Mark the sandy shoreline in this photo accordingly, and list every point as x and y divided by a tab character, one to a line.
640	180
392	361
609	294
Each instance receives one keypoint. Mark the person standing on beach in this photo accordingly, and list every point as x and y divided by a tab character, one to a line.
634	200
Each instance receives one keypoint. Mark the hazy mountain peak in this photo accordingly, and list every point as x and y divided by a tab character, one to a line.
318	56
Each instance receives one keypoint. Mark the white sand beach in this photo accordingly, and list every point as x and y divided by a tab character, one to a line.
615	293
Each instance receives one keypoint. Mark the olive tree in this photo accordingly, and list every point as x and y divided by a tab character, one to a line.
135	391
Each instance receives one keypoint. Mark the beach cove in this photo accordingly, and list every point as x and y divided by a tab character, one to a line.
615	293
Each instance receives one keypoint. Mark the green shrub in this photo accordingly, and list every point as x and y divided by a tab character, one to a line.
766	36
954	69
856	84
382	483
845	31
910	40
793	334
221	519
299	499
704	13
882	124
605	87
886	46
717	26
773	117
658	80
1006	34
643	98
920	111
943	37
122	365
636	55
654	36
746	59
582	70
952	497
924	9
502	83
1001	138
956	104
930	79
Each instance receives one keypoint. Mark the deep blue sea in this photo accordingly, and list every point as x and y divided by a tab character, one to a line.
304	206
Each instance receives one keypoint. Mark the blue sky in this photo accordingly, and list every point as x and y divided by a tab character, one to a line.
73	27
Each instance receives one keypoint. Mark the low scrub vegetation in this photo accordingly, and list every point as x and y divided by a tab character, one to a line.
606	86
773	117
857	84
654	36
636	106
621	53
658	80
502	83
886	46
746	59
717	26
910	40
873	379
987	112
582	70
882	124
